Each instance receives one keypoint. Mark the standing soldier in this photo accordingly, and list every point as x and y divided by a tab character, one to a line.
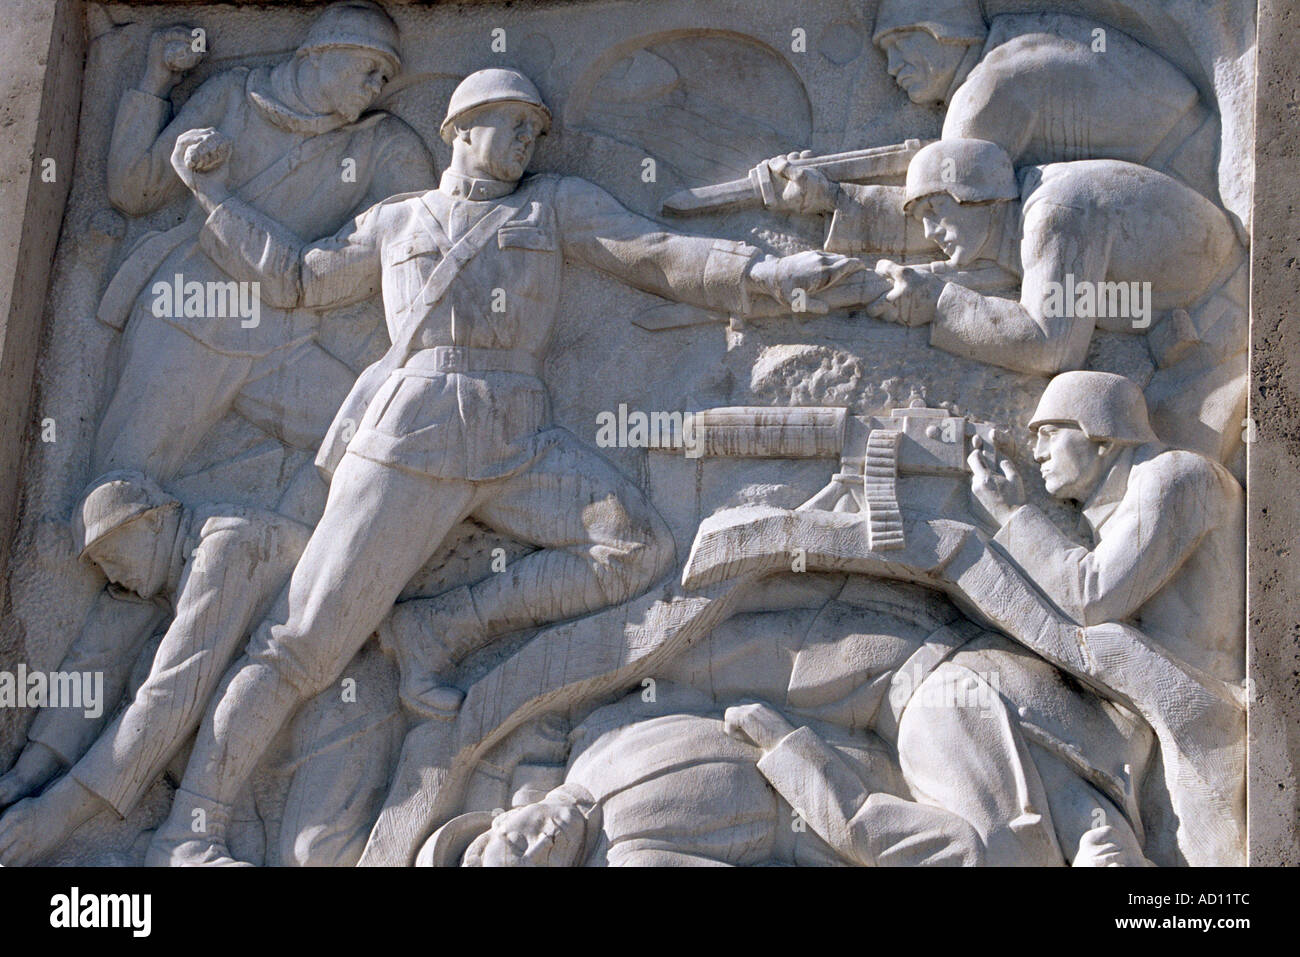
454	420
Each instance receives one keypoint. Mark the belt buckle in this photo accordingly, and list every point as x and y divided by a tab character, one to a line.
454	359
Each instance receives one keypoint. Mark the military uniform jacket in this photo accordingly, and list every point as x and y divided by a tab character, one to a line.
285	164
482	274
1169	556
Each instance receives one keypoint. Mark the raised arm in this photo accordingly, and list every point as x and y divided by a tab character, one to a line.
251	247
335	271
140	175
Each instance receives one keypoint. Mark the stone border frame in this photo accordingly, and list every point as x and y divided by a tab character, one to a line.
43	51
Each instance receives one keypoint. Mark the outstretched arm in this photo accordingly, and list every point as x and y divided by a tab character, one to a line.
830	796
718	274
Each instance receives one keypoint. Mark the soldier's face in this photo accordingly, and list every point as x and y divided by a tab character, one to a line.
501	140
349	80
961	230
921	65
129	557
1072	464
536	835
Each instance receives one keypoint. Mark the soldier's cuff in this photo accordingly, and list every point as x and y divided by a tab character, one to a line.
726	274
868	219
248	245
138	108
1024	533
950	329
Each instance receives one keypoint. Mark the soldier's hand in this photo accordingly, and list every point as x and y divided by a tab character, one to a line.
913	298
800	190
995	484
795	280
834	497
171	55
757	724
199	159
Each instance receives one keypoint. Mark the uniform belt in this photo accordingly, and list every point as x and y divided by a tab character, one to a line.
469	359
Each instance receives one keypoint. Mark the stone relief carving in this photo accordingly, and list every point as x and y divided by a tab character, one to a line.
378	591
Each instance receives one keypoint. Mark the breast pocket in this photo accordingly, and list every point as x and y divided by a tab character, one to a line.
525	236
408	263
404	250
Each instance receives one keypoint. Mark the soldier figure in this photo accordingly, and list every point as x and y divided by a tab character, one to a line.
1018	248
285	132
218	567
1168	525
1050	88
454	420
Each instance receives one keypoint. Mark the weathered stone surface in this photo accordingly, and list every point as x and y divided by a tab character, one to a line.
723	493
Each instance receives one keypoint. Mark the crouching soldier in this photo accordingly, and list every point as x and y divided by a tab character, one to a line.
1039	260
1168	526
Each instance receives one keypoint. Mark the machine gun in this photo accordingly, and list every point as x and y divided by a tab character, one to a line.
875	451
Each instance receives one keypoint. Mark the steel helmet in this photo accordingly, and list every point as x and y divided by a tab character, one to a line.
355	23
492	86
112	501
948	21
1107	407
970	171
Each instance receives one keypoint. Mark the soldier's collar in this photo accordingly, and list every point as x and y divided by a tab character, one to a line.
1109	493
459	186
274	92
1008	255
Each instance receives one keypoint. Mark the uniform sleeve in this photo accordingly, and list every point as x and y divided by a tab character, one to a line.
1165	513
116	628
337	271
870	830
870	219
1033	335
140	174
822	788
597	230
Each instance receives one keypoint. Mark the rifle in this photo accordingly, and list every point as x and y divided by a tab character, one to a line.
856	166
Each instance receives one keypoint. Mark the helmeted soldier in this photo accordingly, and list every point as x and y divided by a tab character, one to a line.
214	569
1038	260
453	422
298	145
1049	88
1168	525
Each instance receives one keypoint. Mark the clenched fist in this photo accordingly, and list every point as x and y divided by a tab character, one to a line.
199	159
171	54
799	190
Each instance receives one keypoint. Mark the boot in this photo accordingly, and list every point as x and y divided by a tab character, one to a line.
428	636
181	842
